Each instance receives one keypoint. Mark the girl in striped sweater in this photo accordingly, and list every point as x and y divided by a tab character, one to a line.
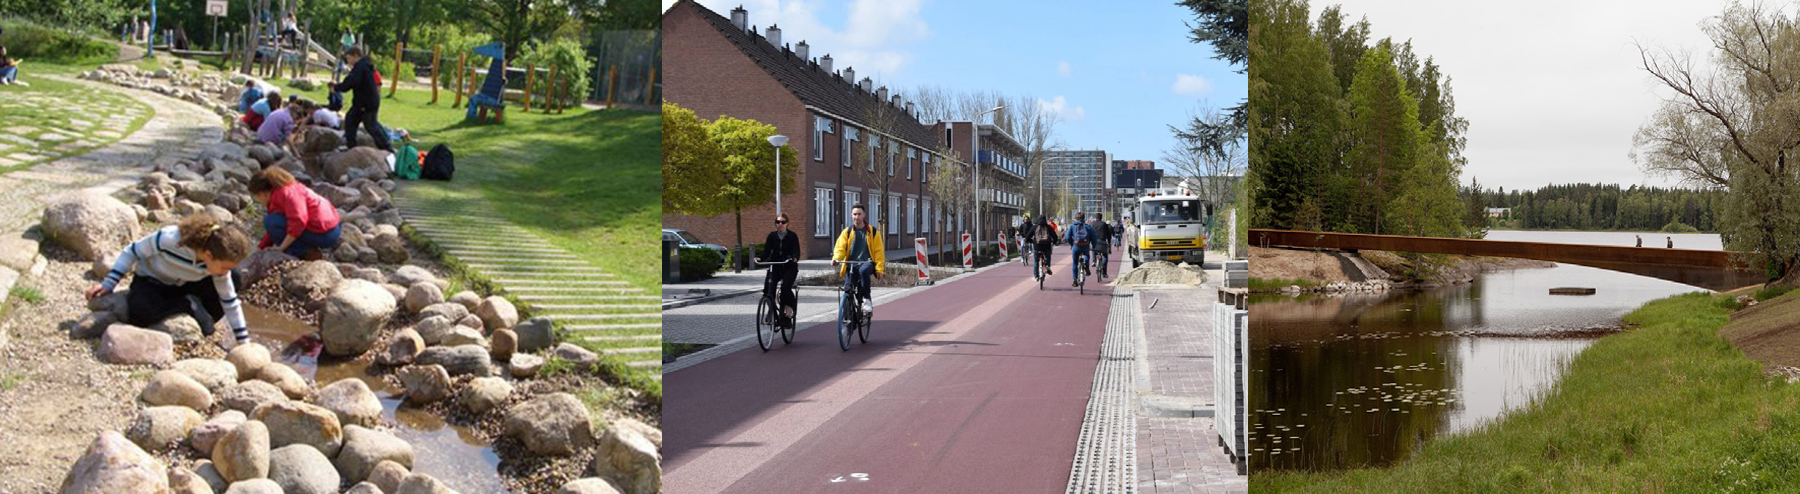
173	265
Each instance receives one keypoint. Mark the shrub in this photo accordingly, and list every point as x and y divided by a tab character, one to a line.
31	41
699	264
1676	226
572	68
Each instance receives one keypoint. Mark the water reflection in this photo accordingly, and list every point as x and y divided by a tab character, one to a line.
1364	380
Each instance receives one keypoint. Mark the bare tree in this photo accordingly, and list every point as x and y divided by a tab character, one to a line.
880	157
950	183
1214	170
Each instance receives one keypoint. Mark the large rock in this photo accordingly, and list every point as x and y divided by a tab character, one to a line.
302	470
286	379
90	223
579	356
311	279
249	359
387	475
502	344
497	313
422	295
92	325
352	401
205	469
294	422
247	396
214	374
258	265
524	365
471	322
371	275
467	298
132	345
449	311
555	424
425	383
185	481
263	154
255	486
365	449
367	159
364	488
113	465
160	428
389	248
535	334
207	435
114	303
459	360
353	317
630	460
223	150
418	483
243	453
465	336
174	388
484	393
434	328
588	486
181	327
403	348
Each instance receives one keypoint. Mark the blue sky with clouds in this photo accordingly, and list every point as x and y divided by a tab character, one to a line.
1119	73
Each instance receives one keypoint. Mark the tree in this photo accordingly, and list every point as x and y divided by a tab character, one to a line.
1294	125
691	162
517	22
949	183
749	166
1384	132
880	158
1425	202
1212	172
1225	24
1735	129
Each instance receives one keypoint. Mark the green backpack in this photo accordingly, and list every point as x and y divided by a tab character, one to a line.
406	162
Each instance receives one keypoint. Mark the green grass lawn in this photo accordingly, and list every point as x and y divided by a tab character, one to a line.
1667	407
586	181
52	119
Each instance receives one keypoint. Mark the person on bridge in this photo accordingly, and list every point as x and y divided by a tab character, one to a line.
782	246
1671	242
860	242
1080	236
1043	237
1640	239
365	100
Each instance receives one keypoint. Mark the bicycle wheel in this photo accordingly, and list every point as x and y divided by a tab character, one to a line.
862	330
765	324
787	332
844	326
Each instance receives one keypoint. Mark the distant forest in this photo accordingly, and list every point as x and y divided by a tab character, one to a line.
1604	207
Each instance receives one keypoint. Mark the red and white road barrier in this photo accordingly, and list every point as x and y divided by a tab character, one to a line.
968	246
924	266
1002	244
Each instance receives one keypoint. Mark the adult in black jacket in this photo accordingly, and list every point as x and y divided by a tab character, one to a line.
1043	237
1026	228
365	100
782	246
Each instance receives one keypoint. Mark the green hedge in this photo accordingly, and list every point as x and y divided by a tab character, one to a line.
699	264
34	42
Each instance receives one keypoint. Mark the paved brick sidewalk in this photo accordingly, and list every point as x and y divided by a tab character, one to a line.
1177	451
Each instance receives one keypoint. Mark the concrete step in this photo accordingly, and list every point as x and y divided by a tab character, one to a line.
611	327
468	253
631	351
579	307
573	289
528	281
487	249
621	338
597	298
514	268
538	260
603	317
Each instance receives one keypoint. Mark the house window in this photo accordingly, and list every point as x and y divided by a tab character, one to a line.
911	154
822	201
844	146
912	215
893	220
821	125
873	213
874	142
927	215
925	167
947	139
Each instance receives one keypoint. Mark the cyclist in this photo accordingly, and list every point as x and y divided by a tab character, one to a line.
782	246
1102	239
858	243
1025	231
1080	237
1043	236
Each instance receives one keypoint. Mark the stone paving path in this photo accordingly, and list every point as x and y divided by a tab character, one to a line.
597	309
1179	453
44	124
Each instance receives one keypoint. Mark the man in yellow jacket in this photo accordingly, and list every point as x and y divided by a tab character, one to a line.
860	243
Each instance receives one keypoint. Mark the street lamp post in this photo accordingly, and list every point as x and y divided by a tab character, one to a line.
976	142
778	141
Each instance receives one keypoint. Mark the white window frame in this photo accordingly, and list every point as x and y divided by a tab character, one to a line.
912	215
820	126
893	219
911	154
874	207
926	213
824	198
893	148
874	141
844	148
850	199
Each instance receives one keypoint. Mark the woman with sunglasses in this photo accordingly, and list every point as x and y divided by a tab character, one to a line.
783	247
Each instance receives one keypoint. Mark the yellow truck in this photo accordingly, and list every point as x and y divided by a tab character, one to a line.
1170	225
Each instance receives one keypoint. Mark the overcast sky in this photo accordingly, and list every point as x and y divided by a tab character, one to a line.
1118	73
1553	90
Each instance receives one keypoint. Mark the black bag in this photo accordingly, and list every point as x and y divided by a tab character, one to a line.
440	163
334	101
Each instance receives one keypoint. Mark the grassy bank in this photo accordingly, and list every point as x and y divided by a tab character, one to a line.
1667	407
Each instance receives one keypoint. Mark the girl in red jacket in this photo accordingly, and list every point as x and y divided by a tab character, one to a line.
298	221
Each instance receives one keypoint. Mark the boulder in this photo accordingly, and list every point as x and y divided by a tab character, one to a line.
214	374
497	313
285	379
300	469
399	292
243	453
389	248
207	435
629	459
258	265
364	488
588	486
248	359
433	329
180	327
132	345
161	428
113	465
365	158
467	298
425	383
418	483
104	265
411	275
205	469
223	151
353	316
366	450
174	388
484	393
465	336
502	344
352	401
459	360
89	223
471	322
263	154
556	424
535	334
92	325
371	275
524	365
185	481
293	422
255	486
581	357
311	279
423	295
387	475
449	311
402	349
247	396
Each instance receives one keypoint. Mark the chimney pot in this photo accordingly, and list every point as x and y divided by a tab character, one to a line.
882	93
825	63
801	50
740	18
774	35
868	86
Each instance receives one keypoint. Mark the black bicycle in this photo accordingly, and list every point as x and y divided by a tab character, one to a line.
1038	268
769	319
859	320
1081	269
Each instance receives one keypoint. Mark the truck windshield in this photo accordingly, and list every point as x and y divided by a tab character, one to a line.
1171	211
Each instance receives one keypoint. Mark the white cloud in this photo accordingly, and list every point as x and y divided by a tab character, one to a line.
1191	85
1060	107
873	38
1063	68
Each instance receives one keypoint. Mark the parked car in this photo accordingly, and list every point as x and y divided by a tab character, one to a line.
689	240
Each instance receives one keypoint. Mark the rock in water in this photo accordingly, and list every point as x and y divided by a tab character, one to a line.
353	402
365	450
353	316
300	469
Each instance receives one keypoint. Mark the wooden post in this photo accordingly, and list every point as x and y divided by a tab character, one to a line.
435	70
612	84
530	75
395	77
650	88
461	61
553	101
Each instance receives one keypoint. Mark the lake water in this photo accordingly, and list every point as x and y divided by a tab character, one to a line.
1364	380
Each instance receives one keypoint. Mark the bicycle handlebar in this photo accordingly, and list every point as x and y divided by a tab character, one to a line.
760	263
836	262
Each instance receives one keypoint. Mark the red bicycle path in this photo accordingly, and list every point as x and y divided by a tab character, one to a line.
979	385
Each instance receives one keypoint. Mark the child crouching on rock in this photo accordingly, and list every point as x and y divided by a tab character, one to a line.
298	221
172	265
